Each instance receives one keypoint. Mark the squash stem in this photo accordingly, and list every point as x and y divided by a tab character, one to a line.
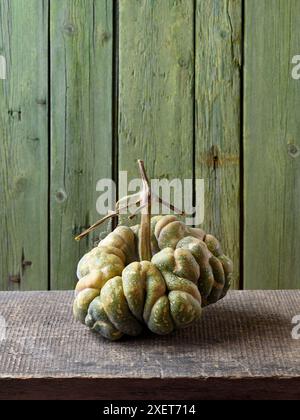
143	201
145	253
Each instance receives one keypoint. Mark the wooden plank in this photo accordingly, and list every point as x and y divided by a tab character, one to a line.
24	145
243	346
184	389
156	95
217	119
272	162
81	125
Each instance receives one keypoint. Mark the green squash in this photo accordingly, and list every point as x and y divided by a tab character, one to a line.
119	292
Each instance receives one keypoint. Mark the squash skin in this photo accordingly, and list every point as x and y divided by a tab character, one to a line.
116	294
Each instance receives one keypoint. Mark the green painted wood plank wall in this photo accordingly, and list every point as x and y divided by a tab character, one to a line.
271	144
156	87
81	126
24	145
218	119
198	88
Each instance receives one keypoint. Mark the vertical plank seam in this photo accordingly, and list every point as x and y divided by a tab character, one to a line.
115	99
194	105
242	137
49	147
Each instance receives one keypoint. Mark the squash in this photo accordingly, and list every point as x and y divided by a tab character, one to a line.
160	273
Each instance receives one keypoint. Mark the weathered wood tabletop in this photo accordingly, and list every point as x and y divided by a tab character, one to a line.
242	348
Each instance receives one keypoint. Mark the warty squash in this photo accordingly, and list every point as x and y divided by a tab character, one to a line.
160	273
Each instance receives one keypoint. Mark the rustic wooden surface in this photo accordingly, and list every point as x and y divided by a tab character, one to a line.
218	44
242	347
24	145
81	126
271	145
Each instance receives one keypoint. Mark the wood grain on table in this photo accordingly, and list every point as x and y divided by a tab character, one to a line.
242	348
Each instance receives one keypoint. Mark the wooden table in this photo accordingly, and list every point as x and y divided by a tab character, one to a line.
242	348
